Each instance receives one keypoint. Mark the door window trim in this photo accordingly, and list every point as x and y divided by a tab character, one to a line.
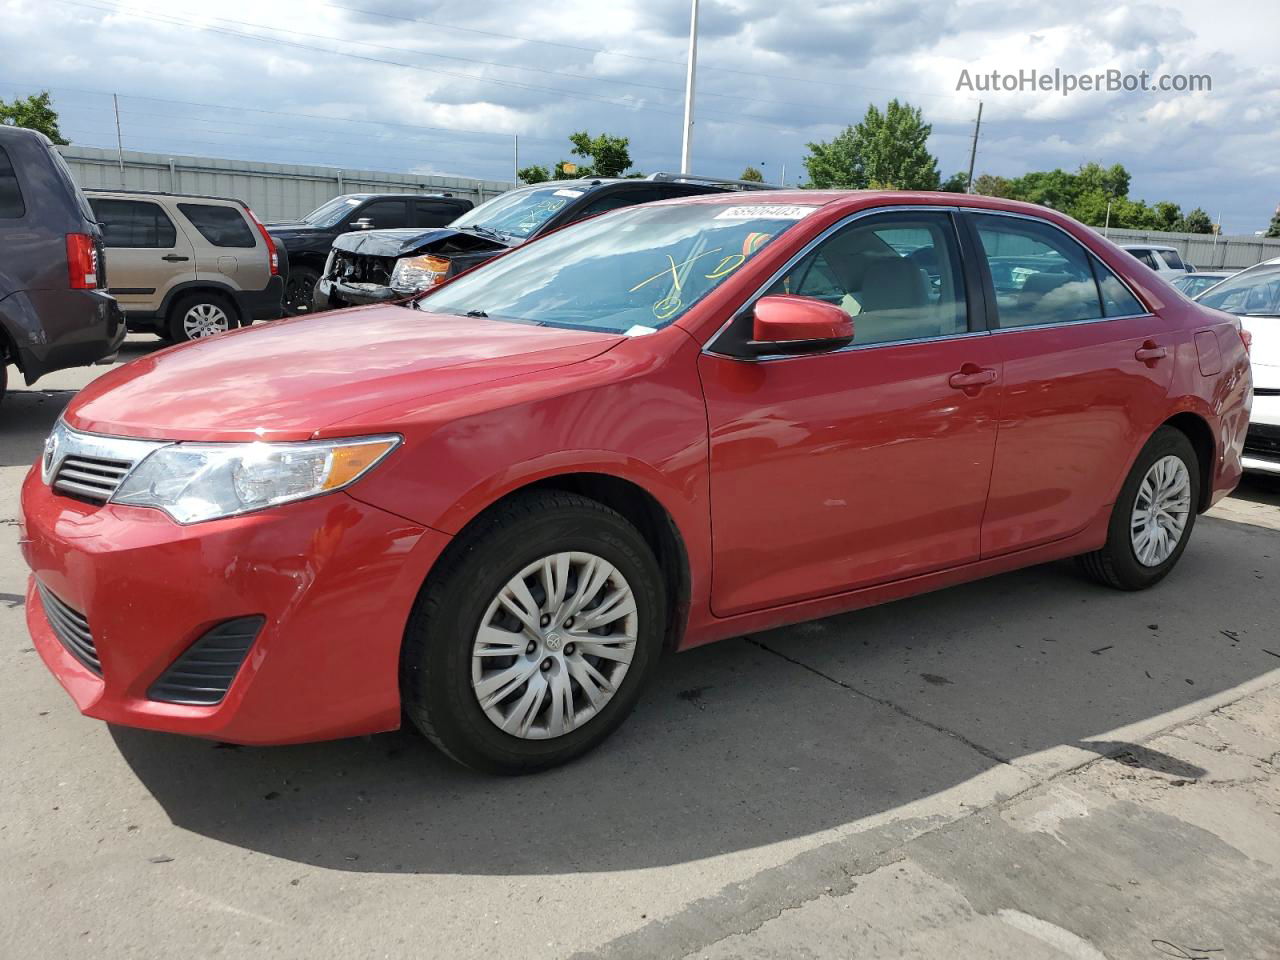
971	295
1095	262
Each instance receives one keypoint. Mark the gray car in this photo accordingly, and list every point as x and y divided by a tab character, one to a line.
55	311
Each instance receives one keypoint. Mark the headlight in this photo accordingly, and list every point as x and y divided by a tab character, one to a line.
412	274
203	481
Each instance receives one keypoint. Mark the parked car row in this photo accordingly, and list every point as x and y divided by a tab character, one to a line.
494	508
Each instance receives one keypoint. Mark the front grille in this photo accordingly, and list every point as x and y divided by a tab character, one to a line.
1263	438
93	478
71	628
203	674
361	268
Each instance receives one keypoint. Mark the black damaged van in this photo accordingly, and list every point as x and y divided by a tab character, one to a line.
55	311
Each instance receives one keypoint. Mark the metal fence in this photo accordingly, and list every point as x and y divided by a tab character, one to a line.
275	191
1206	251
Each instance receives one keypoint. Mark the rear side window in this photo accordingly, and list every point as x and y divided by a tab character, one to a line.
222	226
1173	260
1040	274
384	214
11	205
133	223
435	213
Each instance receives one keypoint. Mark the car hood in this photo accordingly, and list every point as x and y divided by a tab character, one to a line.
1265	351
401	242
286	380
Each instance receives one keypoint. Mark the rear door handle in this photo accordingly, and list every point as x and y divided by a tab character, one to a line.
971	376
174	258
1149	352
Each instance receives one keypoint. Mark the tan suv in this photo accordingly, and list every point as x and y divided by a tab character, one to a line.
187	266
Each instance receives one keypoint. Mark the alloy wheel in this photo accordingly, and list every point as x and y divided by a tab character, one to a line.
205	320
1160	511
554	645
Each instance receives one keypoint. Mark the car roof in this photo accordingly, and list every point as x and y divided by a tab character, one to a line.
103	191
857	199
1149	246
8	132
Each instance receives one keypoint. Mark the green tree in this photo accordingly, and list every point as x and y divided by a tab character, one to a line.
989	185
1197	221
1274	229
533	174
956	183
752	174
34	112
884	148
609	155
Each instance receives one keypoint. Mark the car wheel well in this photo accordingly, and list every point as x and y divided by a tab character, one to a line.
1199	433
221	294
643	511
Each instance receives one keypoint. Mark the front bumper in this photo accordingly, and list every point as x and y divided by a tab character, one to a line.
1262	443
334	578
333	294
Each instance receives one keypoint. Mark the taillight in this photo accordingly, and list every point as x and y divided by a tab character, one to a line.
272	254
82	262
1247	339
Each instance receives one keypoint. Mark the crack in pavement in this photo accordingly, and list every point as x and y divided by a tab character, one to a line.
984	751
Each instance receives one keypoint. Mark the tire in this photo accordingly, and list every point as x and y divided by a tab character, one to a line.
198	315
4	376
1118	563
300	290
439	663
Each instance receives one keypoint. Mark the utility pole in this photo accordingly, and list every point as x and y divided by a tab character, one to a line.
115	102
782	181
973	151
1106	226
515	167
688	89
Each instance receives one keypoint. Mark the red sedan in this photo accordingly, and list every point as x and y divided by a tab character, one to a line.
653	429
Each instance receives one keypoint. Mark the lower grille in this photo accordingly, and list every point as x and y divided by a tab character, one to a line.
203	674
71	628
93	478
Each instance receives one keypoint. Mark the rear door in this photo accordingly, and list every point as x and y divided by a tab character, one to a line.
1086	372
227	249
147	253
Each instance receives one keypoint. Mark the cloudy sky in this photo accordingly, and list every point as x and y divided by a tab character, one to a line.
441	87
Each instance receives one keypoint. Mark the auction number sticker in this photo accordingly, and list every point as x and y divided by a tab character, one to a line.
765	211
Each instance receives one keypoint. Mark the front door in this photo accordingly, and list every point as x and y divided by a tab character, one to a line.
1086	374
870	464
146	254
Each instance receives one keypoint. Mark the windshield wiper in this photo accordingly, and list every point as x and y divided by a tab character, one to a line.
476	313
485	231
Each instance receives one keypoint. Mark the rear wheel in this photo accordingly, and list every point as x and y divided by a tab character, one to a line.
300	290
1152	519
199	315
532	641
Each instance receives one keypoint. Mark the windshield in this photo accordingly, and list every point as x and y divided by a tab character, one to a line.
518	213
1253	293
328	214
630	271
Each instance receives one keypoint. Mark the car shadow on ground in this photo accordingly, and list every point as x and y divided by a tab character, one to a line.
766	738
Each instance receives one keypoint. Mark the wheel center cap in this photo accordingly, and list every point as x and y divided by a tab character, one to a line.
554	640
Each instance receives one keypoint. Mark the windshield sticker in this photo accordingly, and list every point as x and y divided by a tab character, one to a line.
765	211
568	193
640	330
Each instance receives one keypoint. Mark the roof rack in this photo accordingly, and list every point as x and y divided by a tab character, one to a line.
695	178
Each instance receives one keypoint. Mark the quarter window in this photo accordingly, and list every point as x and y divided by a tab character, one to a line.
133	223
221	226
11	205
1040	275
898	277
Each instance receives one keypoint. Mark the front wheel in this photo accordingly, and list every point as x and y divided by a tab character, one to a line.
1152	519
200	315
300	290
531	642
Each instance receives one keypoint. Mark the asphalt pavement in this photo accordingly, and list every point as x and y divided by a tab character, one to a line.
1026	767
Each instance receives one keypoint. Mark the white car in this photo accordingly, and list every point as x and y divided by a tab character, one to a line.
1254	296
1164	260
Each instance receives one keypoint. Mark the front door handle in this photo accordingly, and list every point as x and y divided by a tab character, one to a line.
174	258
972	376
1150	352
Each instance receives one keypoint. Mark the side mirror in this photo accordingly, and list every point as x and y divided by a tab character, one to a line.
789	324
364	223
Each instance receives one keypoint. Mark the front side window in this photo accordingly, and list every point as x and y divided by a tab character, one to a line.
630	271
1040	274
222	226
897	276
1254	293
134	223
11	205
